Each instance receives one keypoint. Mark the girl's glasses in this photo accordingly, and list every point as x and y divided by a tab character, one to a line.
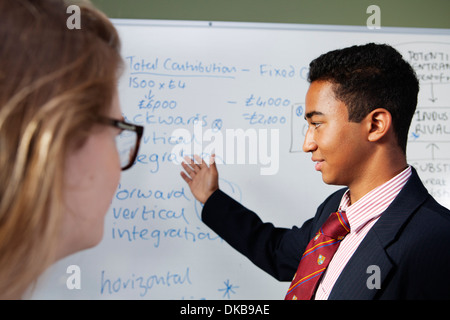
127	141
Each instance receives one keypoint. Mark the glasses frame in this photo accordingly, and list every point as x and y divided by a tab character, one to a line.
126	126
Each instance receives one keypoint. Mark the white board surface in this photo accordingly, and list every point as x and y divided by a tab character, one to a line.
231	76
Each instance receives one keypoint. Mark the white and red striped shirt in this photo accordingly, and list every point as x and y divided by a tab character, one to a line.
361	215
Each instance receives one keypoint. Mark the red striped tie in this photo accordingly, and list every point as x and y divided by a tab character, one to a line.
317	256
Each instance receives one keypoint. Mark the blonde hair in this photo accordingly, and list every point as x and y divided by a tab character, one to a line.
54	84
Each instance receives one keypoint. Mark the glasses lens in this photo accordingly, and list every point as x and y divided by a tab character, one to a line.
126	146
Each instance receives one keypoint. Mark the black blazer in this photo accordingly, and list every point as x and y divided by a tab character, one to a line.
410	243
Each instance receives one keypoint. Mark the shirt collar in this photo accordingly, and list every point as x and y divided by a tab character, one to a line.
374	203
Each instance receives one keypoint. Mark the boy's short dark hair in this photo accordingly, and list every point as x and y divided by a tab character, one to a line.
368	77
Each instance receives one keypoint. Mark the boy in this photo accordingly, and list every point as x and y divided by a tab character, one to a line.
359	108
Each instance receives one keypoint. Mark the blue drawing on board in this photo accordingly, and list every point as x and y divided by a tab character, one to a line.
228	289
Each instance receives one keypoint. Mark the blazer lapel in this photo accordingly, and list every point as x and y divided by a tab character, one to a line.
355	281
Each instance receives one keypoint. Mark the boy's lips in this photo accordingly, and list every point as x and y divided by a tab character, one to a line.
318	165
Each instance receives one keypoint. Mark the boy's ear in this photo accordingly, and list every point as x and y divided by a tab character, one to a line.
379	122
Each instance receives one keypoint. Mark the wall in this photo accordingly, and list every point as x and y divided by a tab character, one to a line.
398	13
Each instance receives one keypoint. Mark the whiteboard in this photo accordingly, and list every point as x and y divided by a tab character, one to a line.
189	81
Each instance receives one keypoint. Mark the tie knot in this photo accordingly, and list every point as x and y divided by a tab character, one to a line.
336	226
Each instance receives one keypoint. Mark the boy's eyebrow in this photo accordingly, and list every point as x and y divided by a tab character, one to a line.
313	113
